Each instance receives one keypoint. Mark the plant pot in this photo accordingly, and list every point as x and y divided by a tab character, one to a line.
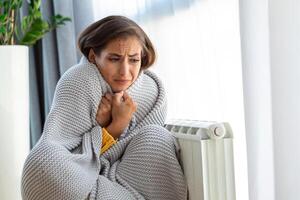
14	118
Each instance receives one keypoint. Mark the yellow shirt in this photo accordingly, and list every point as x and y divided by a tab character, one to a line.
107	140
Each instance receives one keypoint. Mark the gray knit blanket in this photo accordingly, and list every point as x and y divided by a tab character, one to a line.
66	162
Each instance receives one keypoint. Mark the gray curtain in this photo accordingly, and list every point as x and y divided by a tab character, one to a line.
52	56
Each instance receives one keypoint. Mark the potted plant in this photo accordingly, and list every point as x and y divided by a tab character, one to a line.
15	37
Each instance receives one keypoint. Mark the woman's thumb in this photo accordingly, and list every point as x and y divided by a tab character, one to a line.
117	97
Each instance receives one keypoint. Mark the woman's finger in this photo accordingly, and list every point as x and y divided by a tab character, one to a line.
108	96
105	101
117	97
125	95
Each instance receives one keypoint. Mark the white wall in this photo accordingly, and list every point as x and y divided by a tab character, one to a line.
285	61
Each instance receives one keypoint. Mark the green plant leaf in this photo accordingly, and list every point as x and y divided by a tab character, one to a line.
3	18
2	30
6	5
31	28
35	32
20	2
36	4
15	4
58	20
26	23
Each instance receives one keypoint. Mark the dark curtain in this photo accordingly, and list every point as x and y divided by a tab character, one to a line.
52	56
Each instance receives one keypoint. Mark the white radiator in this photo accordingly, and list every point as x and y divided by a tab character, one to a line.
207	158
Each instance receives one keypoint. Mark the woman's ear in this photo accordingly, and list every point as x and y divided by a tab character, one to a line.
92	56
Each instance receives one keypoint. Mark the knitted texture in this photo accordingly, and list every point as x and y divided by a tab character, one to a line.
66	162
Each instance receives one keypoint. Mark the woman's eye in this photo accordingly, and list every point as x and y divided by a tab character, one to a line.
114	59
134	60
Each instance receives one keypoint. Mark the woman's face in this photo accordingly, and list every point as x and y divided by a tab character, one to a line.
119	62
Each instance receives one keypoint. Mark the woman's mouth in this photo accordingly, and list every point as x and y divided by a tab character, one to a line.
122	82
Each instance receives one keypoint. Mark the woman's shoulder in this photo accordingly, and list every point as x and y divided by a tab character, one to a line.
152	78
80	72
80	77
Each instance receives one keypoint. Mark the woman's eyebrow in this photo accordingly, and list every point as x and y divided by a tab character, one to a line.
118	55
115	54
136	54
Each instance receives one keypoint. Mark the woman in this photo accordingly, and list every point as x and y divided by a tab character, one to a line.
115	149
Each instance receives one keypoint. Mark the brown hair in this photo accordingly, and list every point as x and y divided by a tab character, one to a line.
100	33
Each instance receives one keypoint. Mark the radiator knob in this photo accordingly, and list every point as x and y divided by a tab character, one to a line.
219	131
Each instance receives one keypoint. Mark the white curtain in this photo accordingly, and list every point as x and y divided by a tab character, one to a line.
270	44
199	61
258	99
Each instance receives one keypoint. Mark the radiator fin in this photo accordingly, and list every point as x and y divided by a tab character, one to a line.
207	158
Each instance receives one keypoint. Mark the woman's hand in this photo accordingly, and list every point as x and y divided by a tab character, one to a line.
103	116
123	108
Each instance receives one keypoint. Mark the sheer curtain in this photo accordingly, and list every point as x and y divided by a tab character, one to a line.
257	80
199	61
270	44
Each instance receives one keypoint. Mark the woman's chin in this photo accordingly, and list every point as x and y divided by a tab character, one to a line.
118	89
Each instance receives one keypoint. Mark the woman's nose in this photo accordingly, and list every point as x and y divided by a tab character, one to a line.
124	68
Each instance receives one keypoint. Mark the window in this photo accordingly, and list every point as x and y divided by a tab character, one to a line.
199	61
